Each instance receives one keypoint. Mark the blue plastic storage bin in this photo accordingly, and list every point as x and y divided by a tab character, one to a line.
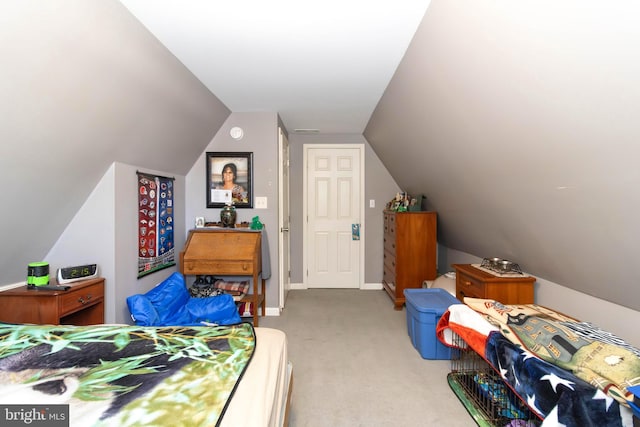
424	309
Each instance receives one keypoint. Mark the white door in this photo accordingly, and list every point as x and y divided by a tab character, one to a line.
283	217
333	193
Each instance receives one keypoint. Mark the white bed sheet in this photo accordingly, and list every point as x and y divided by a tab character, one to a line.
261	397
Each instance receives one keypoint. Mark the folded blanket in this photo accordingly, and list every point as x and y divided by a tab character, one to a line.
466	323
544	333
232	288
556	394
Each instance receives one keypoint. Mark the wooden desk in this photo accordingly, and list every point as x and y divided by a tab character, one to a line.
82	304
226	252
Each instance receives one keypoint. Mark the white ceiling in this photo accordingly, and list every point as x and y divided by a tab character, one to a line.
320	65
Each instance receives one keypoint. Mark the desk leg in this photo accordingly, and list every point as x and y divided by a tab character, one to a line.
264	299
255	299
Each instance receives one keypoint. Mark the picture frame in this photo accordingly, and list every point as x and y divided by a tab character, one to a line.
238	191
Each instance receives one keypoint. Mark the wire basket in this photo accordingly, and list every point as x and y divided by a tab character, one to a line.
481	389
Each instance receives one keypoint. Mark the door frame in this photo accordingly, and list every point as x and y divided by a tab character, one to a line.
284	207
305	232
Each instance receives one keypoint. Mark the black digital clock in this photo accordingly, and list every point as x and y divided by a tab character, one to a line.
78	272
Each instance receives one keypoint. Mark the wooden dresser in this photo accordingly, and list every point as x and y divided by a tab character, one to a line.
410	243
81	304
475	283
226	252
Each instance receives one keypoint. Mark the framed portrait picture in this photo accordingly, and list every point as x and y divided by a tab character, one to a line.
229	179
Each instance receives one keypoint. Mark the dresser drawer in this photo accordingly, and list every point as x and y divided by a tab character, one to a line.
468	286
390	244
390	224
389	263
74	300
389	271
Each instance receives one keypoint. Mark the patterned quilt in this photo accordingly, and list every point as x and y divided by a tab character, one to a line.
125	375
556	392
610	367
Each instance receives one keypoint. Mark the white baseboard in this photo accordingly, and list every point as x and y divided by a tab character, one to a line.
371	287
272	311
365	287
12	286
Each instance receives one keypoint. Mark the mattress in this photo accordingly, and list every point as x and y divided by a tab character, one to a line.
261	397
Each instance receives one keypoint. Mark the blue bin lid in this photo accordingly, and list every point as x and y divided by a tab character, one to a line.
433	300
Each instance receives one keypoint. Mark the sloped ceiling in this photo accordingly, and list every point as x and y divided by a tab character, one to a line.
320	65
519	122
84	85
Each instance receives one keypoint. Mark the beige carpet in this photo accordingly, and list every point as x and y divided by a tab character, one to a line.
354	364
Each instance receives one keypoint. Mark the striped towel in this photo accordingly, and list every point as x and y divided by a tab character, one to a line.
232	288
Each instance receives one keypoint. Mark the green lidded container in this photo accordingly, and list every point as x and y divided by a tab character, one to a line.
38	274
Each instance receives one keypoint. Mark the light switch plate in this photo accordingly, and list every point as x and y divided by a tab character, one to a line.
372	203
261	203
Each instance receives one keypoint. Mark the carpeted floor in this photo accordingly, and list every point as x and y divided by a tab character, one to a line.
354	364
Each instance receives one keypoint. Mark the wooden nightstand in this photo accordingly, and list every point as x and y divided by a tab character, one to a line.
475	283
82	304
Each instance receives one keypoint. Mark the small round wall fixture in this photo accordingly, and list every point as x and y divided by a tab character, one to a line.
236	133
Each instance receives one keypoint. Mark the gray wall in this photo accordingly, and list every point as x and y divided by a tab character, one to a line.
260	138
519	123
105	231
84	85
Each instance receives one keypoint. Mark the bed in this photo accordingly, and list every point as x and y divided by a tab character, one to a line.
119	375
567	372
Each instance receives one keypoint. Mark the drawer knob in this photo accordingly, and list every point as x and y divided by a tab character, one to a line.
467	283
82	301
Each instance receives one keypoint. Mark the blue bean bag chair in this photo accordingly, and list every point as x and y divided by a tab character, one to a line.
169	304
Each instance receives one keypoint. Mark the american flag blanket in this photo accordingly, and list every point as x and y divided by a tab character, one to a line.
556	394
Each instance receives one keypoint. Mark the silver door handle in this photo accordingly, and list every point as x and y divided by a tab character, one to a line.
283	229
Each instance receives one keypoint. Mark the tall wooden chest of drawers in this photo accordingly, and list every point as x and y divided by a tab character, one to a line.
410	242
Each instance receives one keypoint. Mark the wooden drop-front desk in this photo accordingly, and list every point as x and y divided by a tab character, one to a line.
82	304
226	252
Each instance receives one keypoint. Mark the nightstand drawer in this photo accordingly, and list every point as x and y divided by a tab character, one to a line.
470	287
74	300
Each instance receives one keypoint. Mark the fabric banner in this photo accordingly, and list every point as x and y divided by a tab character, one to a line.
155	223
